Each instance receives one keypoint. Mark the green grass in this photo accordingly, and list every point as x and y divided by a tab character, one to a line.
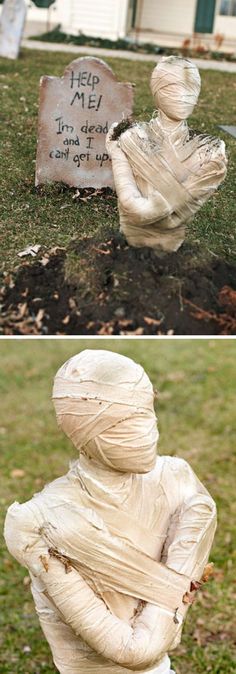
51	217
196	411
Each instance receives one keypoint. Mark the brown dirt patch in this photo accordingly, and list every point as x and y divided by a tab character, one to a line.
108	288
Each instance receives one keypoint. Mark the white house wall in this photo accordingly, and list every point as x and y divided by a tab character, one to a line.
225	25
108	18
103	18
168	16
58	12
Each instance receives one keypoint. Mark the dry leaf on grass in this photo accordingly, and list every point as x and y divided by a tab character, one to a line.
225	322
17	472
30	250
208	572
153	321
101	252
176	376
227	298
44	260
39	318
22	309
66	320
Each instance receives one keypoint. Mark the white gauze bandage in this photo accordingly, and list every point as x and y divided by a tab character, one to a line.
113	546
107	410
175	85
163	173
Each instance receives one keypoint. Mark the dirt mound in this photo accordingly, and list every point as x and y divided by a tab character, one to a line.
108	288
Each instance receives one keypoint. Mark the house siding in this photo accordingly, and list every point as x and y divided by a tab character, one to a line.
97	18
226	25
109	18
104	18
168	16
58	12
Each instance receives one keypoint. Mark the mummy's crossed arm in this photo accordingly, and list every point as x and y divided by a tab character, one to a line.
157	629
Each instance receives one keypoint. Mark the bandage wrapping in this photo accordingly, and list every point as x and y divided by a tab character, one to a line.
163	173
175	78
112	550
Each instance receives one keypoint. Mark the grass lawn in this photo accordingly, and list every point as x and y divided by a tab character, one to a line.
51	217
196	411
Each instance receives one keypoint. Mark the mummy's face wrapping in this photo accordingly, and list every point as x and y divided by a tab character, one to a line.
175	85
104	404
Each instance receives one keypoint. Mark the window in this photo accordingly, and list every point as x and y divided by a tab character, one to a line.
228	7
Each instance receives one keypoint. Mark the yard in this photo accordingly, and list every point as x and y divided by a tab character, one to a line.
196	412
85	279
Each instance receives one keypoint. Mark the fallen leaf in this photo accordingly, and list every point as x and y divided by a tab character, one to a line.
72	303
8	280
39	318
152	321
17	472
176	376
189	598
53	251
30	250
26	649
76	195
22	309
102	252
44	561
227	297
207	573
194	585
44	260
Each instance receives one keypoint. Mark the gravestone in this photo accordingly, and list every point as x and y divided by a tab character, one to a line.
231	129
11	27
75	113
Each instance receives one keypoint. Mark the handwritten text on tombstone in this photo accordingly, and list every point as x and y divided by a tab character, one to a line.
75	114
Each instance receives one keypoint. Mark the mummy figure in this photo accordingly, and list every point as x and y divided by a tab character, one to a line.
116	548
163	171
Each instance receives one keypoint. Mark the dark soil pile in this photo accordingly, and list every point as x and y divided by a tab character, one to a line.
118	290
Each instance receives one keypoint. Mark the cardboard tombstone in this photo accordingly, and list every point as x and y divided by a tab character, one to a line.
75	113
11	27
